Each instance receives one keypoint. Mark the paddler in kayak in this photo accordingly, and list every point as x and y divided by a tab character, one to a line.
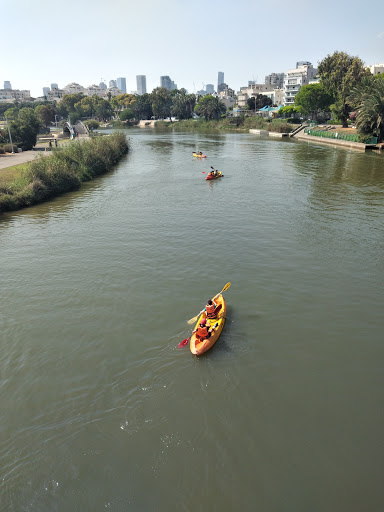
210	309
203	331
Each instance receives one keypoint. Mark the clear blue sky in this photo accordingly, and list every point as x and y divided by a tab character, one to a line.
89	40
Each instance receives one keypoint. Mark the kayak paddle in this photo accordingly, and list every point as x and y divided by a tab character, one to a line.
183	343
192	320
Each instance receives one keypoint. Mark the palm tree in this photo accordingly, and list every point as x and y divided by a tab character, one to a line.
368	98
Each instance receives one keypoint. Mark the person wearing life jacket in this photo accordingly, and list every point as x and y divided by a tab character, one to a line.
210	309
203	331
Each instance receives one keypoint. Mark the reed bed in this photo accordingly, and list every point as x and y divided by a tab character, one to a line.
65	170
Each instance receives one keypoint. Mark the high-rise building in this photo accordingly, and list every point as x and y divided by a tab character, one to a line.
220	79
141	84
303	63
54	86
276	80
103	86
121	84
209	89
46	91
166	82
112	83
221	87
7	85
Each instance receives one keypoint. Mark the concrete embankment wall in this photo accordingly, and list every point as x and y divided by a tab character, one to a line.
333	142
265	132
145	123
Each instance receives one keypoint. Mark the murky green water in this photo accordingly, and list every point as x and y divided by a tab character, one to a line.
101	411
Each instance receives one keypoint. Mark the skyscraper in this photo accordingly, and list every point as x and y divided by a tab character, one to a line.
166	82
220	79
7	85
112	83
46	91
54	86
209	88
121	84
141	84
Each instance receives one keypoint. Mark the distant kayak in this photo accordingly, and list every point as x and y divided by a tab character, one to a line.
199	156
212	177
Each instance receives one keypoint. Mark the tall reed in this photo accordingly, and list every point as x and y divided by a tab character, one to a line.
63	171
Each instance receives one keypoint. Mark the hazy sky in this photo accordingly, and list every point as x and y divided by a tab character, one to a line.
90	40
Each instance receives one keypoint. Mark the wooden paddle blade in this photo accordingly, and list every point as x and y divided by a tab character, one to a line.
226	287
183	343
193	320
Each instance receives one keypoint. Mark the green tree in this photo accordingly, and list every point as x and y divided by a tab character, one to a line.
261	102
161	102
339	73
85	107
67	104
210	107
127	114
142	107
46	114
26	127
92	124
103	110
368	99
11	113
312	99
183	104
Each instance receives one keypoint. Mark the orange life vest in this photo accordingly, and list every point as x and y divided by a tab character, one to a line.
202	332
210	310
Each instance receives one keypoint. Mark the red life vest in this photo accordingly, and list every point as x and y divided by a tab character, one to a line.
210	310
202	332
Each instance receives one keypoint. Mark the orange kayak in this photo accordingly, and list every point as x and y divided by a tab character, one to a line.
199	346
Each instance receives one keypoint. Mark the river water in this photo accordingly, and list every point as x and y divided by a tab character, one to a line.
100	410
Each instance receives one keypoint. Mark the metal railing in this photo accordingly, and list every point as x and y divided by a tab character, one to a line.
350	137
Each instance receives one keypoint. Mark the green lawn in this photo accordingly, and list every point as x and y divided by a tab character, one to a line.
11	173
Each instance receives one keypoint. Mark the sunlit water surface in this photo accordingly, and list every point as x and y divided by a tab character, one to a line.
101	411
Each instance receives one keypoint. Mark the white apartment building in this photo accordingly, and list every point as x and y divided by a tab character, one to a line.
376	69
10	95
114	91
276	94
294	79
74	88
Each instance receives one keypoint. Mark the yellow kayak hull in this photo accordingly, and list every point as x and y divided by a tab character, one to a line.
199	346
199	156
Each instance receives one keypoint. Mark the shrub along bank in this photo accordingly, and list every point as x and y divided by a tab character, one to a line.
235	124
65	170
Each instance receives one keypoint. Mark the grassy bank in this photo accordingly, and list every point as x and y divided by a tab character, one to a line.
231	124
65	170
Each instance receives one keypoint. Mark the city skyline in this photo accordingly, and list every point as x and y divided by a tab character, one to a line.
259	44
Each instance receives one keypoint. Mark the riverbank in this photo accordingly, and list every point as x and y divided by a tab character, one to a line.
63	170
237	124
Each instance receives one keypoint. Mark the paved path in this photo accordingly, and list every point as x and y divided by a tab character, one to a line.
10	159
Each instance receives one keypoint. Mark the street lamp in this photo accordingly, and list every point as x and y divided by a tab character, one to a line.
9	133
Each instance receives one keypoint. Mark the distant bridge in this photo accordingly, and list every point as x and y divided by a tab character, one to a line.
73	130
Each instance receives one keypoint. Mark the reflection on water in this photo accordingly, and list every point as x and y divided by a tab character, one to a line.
98	404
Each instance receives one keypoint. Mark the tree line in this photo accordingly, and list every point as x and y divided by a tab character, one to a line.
160	104
349	91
